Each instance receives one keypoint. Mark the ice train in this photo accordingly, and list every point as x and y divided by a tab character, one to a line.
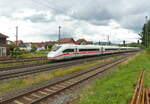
68	51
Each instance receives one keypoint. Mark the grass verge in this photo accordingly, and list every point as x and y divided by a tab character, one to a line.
20	83
22	63
117	86
30	55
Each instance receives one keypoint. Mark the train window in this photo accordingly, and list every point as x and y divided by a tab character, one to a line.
110	49
68	50
88	50
55	48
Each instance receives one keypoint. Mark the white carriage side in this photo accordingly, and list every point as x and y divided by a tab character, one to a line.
66	51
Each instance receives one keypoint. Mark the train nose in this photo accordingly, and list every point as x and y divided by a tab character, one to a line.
51	55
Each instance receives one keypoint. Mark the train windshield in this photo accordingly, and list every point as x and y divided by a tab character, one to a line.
55	48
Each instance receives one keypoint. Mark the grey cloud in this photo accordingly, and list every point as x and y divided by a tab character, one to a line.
97	12
36	18
134	22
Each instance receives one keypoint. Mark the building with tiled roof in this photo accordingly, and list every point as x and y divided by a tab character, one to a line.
66	41
83	42
3	39
39	45
3	45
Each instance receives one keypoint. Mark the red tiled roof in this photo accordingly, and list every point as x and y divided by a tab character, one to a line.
83	40
51	42
80	41
38	44
66	40
19	41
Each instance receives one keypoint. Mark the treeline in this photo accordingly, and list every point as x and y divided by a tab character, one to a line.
145	35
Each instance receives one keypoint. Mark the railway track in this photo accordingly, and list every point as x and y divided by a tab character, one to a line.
141	95
147	96
45	94
50	62
45	61
19	73
8	61
23	65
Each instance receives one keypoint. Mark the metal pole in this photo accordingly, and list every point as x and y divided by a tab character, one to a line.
108	40
16	35
59	35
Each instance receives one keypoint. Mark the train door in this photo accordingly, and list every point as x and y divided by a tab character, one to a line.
76	52
102	49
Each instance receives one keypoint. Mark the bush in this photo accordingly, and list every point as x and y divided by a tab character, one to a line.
17	52
33	48
49	46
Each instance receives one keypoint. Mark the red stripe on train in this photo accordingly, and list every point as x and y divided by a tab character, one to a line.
78	53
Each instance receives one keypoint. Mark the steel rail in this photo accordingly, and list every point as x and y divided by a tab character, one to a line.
22	60
19	73
50	62
139	92
25	65
147	96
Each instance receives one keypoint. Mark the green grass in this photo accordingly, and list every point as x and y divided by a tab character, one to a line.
117	86
36	54
37	79
22	63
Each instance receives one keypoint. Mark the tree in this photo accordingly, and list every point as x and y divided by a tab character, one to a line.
145	34
49	46
33	48
12	46
134	45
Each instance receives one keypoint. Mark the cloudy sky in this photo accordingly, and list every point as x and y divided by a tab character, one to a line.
94	20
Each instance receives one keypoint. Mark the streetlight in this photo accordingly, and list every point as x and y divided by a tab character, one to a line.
16	35
59	34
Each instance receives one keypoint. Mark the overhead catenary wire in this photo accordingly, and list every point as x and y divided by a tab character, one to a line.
45	5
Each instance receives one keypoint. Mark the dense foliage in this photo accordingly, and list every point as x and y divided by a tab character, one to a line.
145	34
33	48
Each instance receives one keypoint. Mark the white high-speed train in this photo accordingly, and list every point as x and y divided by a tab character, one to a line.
67	51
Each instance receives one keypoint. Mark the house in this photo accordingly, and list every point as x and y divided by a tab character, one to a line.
28	46
9	42
21	44
51	42
83	42
38	45
66	41
3	45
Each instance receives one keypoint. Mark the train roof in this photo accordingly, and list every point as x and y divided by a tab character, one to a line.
92	46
